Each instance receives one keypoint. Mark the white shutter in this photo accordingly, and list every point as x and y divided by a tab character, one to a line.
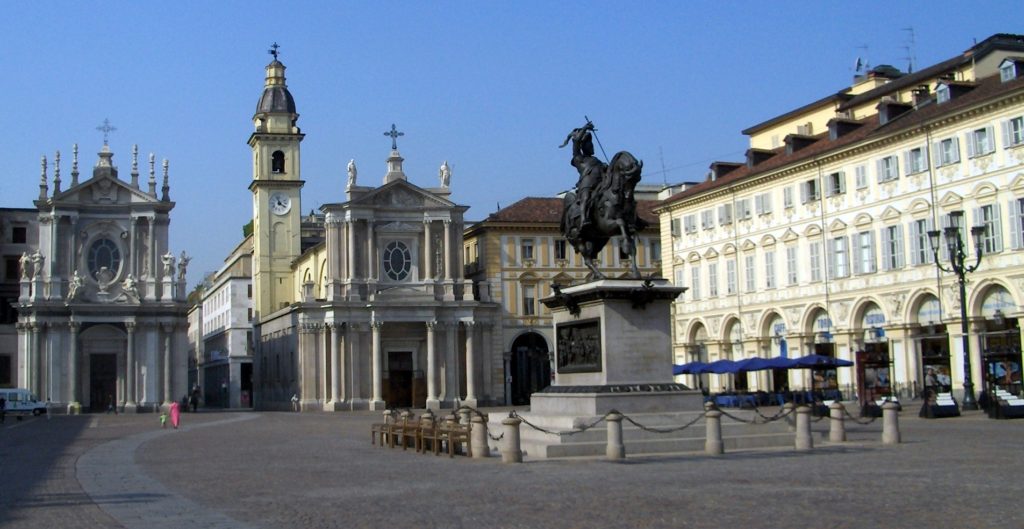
970	145
990	133
997	227
906	160
830	254
937	149
842	181
804	193
915	241
956	150
886	249
870	258
880	170
1005	125
900	259
1013	208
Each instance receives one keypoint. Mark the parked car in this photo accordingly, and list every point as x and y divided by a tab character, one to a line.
22	402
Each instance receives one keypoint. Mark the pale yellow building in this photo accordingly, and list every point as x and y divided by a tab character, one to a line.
515	255
818	242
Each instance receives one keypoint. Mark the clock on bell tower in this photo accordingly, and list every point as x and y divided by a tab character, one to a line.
276	190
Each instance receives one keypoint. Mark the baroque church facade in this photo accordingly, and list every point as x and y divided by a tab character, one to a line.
363	305
100	299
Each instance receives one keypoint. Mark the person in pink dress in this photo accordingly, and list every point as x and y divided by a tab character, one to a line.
175	414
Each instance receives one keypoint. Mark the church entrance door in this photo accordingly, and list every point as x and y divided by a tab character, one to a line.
399	379
531	367
102	381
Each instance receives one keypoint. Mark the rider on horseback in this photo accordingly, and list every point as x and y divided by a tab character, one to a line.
590	168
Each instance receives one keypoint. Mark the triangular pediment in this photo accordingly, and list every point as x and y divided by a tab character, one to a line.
710	254
1018	182
951	201
837	225
890	214
103	189
401	194
862	220
790	236
748	245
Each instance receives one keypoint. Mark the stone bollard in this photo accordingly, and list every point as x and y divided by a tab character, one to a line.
789	409
836	426
890	423
510	452
464	415
713	444
803	428
615	450
478	437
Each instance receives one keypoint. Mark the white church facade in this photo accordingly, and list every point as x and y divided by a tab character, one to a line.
364	304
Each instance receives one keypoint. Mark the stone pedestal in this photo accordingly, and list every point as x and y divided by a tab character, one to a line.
613	352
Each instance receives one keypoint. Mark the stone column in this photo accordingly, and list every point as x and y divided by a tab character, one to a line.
428	252
167	370
152	257
432	401
447	250
350	249
377	402
129	375
33	358
353	347
470	364
332	404
371	251
73	328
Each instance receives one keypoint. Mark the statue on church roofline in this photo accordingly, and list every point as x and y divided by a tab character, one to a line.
75	286
603	204
445	175
183	261
168	260
352	172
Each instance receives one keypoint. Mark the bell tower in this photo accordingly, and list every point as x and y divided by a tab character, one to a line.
276	191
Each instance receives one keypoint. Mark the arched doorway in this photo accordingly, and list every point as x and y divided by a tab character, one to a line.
779	348
530	367
933	347
733	350
1000	342
103	348
698	352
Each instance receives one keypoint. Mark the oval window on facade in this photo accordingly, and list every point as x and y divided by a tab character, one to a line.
397	261
104	254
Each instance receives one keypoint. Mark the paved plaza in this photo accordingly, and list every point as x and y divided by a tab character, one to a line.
310	470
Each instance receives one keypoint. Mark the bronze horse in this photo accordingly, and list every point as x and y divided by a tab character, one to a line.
612	212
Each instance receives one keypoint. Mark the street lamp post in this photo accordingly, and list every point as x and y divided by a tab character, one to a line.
958	265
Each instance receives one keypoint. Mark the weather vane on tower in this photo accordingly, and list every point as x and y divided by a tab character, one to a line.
106	128
273	50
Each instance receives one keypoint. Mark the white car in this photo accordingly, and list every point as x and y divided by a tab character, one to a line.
21	402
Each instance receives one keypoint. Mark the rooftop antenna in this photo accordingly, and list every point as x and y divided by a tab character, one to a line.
910	47
664	172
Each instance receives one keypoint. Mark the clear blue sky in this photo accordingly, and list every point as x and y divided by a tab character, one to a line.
492	87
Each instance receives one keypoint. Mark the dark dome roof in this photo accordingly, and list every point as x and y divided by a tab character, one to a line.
276	99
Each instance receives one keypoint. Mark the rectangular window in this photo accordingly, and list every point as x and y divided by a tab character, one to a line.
942	93
892	247
979	142
707	219
655	251
19	235
674	227
529	300
838	258
248	290
947	152
743	209
920	248
250	314
861	176
835	184
815	250
690	223
916	160
792	278
989	217
679	275
809	191
725	214
713	280
763	204
730	276
695	282
750	279
888	169
526	249
864	253
1016	223
560	249
1007	72
787	197
1013	132
769	269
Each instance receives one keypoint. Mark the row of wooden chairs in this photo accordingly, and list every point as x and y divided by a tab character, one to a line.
427	432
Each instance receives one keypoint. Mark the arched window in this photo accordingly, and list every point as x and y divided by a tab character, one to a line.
104	255
277	162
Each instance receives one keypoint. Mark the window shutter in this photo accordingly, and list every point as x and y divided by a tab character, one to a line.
970	144
915	241
880	170
1013	208
830	266
900	260
956	149
997	227
937	149
991	135
857	255
842	182
906	160
886	249
1005	125
804	193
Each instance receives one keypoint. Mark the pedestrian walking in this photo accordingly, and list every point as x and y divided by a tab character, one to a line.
175	414
295	402
163	419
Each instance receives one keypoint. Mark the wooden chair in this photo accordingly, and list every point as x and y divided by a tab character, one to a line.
382	430
427	433
405	431
455	435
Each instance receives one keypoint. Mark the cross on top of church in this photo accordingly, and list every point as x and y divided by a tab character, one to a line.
273	50
394	134
106	128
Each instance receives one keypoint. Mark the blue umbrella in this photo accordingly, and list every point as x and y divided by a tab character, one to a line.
721	367
754	364
692	368
816	360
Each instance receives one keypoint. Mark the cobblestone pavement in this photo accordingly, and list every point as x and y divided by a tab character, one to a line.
319	470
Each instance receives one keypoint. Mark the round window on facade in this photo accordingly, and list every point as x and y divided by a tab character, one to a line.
104	254
397	261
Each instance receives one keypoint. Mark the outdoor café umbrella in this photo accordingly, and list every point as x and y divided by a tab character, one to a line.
692	368
816	360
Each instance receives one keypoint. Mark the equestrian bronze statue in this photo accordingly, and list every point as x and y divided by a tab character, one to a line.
603	205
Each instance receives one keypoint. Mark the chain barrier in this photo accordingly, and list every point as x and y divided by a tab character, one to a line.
663	430
856	420
574	431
